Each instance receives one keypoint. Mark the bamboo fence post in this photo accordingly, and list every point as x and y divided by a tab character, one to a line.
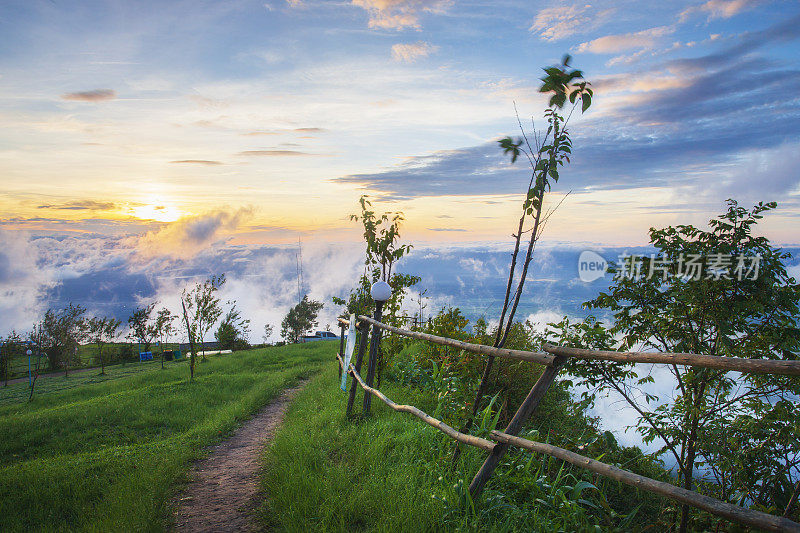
529	405
373	355
362	346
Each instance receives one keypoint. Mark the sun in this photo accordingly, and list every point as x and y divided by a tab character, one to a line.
158	211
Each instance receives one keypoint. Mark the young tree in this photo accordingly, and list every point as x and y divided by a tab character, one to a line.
190	335
545	152
382	235
61	333
233	331
203	309
164	329
101	331
300	318
5	363
721	291
267	333
10	347
38	338
142	328
383	251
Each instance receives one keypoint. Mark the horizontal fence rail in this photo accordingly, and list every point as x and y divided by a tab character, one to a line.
736	364
554	358
534	357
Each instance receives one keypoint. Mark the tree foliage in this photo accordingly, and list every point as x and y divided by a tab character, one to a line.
267	333
300	319
233	330
101	331
203	307
546	152
59	333
711	413
164	328
141	326
382	237
383	251
11	346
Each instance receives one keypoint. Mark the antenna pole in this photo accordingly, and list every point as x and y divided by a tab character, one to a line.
299	257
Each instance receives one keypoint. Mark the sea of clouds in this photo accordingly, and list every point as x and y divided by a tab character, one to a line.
112	275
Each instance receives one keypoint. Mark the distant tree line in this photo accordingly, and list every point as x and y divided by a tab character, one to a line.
55	341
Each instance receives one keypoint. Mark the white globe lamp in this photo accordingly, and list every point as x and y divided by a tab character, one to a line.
381	291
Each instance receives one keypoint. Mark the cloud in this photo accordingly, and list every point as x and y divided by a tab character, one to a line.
762	175
612	44
398	14
190	235
556	23
207	162
24	281
96	95
475	265
80	205
410	52
445	229
786	31
719	8
277	153
541	319
259	133
667	127
278	132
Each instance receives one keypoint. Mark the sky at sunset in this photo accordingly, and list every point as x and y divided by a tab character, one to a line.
139	141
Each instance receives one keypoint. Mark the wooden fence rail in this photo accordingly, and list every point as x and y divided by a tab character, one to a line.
554	358
472	440
712	505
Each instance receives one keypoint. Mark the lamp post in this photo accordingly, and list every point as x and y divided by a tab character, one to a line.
29	353
380	292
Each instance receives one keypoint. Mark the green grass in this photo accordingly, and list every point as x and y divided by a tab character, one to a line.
392	472
323	472
56	382
106	455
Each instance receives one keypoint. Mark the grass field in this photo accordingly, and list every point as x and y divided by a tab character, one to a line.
56	382
391	472
370	475
106	455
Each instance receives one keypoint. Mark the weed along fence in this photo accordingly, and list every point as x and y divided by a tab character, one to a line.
553	359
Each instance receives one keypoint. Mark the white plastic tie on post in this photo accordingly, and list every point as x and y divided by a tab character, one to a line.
348	350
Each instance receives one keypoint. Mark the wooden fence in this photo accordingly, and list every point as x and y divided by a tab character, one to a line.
554	358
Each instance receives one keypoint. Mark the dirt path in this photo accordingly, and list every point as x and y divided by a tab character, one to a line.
224	486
